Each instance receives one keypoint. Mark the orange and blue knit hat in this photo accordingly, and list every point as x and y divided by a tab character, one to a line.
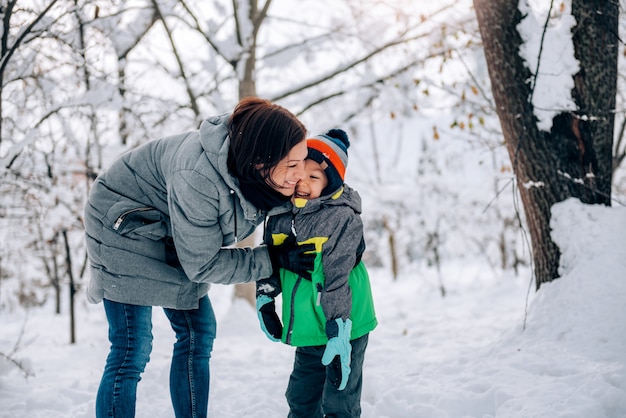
330	150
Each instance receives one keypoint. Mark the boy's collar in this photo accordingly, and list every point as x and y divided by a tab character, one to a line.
299	202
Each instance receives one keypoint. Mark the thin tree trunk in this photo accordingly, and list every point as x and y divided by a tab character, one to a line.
246	291
68	261
247	88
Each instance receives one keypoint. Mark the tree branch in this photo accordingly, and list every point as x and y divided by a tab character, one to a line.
4	60
192	98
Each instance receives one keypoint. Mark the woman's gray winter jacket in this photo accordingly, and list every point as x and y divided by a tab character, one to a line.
172	190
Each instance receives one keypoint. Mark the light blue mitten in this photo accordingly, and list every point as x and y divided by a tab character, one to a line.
338	344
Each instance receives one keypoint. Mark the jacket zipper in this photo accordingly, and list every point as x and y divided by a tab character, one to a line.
293	225
292	310
318	299
122	217
232	194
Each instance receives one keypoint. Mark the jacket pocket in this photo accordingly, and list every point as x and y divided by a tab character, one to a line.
143	222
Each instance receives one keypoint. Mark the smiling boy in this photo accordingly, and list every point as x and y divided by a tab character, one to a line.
329	317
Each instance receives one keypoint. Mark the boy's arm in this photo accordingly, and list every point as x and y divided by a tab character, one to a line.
339	255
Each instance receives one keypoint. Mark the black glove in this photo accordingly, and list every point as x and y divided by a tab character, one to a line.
293	257
269	287
333	372
268	318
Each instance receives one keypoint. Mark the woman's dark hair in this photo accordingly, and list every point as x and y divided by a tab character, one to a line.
261	133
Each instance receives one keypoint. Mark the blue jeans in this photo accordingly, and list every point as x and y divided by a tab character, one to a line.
130	333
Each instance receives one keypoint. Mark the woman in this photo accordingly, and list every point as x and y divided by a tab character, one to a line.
157	222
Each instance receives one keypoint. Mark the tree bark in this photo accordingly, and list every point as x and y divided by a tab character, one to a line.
574	158
596	48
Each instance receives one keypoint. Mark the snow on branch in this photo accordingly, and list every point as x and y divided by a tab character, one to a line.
548	52
533	184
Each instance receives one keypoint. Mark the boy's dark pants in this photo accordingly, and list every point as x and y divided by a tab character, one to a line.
311	393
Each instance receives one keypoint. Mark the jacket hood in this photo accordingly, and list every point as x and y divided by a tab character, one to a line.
215	142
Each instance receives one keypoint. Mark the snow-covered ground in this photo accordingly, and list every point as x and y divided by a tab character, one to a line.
467	354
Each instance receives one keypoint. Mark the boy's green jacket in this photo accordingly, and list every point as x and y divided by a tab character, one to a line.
340	285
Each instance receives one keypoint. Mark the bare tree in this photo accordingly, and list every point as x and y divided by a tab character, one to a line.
95	78
249	25
574	158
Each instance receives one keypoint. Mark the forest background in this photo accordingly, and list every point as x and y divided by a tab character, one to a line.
83	81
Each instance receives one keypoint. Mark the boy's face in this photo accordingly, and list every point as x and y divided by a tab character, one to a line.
314	181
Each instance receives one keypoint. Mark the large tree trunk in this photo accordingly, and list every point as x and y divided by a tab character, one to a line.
574	158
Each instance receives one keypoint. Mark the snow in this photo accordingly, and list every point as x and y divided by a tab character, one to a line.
548	51
491	347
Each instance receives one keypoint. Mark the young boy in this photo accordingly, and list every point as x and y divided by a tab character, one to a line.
329	316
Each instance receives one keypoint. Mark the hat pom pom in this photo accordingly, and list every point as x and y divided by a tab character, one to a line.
340	135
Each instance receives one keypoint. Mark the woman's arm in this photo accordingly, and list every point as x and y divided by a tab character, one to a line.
195	217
